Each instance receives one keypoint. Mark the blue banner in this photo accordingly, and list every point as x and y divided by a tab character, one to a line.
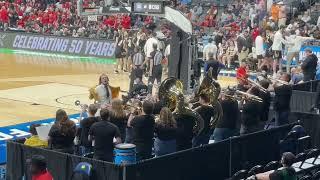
315	50
21	131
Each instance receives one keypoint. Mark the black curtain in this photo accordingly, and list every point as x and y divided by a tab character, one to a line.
59	164
198	163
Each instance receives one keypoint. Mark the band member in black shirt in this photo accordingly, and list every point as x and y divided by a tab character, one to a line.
83	130
251	111
185	124
266	97
101	135
309	66
227	126
282	100
143	128
206	111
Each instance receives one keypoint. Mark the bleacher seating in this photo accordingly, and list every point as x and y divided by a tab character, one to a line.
307	166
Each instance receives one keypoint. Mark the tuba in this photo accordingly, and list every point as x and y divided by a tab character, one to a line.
212	88
171	95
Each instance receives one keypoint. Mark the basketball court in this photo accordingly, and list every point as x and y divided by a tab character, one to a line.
33	86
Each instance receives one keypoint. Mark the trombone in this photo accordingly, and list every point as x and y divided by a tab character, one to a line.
253	83
240	95
277	80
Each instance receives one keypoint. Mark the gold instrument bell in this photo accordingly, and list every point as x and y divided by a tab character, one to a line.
171	94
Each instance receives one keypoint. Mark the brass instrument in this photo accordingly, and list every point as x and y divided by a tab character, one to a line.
277	80
171	93
253	83
240	95
212	88
78	103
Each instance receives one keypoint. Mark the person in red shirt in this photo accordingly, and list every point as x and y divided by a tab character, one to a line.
255	33
4	15
39	168
242	77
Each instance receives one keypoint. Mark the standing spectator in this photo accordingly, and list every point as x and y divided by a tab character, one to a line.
39	169
149	48
62	133
275	12
118	117
259	42
210	48
165	133
143	128
102	134
306	17
85	125
294	47
309	66
282	14
278	42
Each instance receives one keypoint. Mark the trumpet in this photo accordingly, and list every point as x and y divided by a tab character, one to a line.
277	80
78	103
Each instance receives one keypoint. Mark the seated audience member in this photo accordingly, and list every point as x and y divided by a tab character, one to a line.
34	140
62	133
119	117
143	128
85	126
165	133
39	168
287	172
207	112
227	126
101	134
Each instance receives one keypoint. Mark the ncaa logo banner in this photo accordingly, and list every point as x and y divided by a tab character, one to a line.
19	131
57	44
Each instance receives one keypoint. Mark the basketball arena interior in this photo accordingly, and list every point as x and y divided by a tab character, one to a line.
159	89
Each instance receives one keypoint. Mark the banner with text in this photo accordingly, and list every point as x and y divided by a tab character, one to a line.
58	44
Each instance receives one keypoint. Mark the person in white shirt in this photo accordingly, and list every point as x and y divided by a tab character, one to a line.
259	42
306	17
210	48
294	47
103	93
318	22
278	41
148	48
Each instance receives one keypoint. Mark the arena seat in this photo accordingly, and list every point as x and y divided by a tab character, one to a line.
300	158
316	176
306	178
273	165
312	156
303	144
242	174
255	170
